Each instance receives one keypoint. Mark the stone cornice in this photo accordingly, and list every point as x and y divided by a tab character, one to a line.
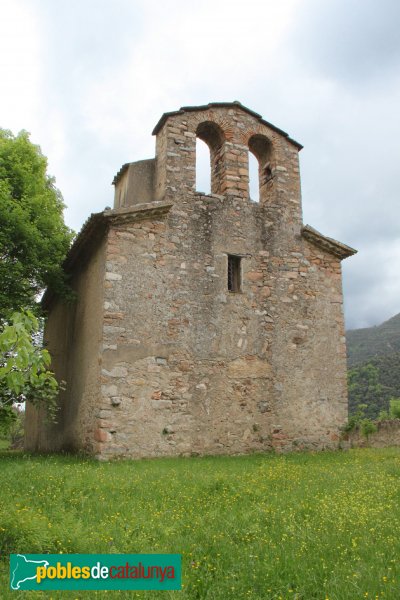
94	228
138	212
328	244
96	224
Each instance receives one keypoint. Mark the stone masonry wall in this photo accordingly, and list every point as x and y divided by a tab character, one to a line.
188	366
388	434
73	336
308	348
57	339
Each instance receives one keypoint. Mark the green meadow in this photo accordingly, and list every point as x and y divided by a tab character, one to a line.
300	526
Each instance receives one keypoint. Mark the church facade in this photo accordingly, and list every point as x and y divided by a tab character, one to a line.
204	324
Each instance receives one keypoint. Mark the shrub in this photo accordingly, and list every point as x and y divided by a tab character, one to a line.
361	422
383	415
367	427
350	425
394	409
355	420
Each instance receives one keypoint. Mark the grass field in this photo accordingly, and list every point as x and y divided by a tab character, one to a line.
301	526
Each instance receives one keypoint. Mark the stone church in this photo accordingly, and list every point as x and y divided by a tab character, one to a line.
203	324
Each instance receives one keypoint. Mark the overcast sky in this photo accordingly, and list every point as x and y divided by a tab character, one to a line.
90	78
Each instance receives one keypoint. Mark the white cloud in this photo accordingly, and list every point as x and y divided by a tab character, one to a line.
20	66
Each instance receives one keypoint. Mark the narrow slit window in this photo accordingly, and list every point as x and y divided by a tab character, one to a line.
234	278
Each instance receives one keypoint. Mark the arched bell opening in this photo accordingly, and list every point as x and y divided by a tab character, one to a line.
213	136
261	148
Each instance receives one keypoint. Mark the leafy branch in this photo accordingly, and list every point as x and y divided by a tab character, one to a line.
24	372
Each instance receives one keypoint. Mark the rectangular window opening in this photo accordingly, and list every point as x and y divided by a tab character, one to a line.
234	273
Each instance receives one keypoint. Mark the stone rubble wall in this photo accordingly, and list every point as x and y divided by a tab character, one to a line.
388	434
73	336
164	360
176	162
189	367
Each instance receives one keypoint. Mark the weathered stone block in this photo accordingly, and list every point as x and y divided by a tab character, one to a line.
100	435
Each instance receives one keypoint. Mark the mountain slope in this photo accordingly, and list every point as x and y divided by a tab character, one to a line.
364	344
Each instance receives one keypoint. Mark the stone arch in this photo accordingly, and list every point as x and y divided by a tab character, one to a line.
213	135
261	147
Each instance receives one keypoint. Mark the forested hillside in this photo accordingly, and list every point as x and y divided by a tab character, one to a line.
373	383
374	366
369	342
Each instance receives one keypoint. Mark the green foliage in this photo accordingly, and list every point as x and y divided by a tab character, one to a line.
33	237
374	383
359	421
24	373
367	427
350	425
16	431
394	408
356	418
300	526
383	415
12	436
364	387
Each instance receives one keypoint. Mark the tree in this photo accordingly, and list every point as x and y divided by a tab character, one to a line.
365	388
33	244
33	237
23	369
